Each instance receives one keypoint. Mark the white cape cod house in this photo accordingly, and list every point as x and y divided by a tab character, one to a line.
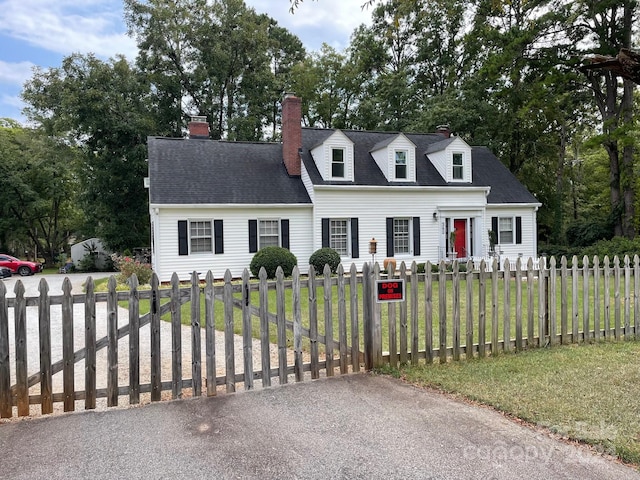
213	204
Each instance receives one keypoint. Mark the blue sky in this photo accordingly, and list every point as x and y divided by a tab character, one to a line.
41	33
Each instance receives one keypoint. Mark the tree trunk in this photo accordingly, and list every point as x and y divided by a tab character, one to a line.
628	179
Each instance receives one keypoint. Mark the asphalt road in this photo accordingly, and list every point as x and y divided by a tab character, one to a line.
359	426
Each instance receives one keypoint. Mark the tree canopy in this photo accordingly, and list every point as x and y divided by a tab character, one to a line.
505	74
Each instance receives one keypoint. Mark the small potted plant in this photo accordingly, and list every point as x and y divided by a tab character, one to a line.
493	239
452	244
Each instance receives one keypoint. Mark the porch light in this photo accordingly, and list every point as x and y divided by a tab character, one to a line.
435	216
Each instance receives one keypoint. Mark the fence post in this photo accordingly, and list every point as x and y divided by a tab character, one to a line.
367	315
371	317
6	410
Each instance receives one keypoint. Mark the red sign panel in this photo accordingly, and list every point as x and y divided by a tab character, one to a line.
391	290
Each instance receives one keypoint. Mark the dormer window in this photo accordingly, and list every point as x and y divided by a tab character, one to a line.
401	164
458	169
334	157
337	162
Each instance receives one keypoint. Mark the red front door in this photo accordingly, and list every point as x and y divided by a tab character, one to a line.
460	245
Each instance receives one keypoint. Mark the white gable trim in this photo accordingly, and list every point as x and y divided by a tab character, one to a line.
322	156
443	161
385	158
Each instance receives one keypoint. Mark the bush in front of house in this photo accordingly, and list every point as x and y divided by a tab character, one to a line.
325	256
271	258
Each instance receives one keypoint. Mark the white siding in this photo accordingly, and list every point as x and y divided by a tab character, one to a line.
306	181
528	247
236	256
372	207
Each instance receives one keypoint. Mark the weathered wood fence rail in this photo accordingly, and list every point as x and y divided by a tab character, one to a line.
283	330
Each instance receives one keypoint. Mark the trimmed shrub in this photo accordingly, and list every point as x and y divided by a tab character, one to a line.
271	258
322	257
420	267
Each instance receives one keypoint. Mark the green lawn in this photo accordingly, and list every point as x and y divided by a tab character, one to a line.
587	393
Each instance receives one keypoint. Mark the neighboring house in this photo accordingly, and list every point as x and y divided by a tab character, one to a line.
213	204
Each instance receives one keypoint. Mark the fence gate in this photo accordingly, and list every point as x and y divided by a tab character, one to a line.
118	347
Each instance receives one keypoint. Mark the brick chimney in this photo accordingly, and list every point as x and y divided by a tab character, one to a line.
198	127
291	133
444	130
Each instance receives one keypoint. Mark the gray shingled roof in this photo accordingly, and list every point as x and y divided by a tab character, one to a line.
190	171
194	171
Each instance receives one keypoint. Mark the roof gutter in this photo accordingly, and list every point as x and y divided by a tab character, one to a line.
175	206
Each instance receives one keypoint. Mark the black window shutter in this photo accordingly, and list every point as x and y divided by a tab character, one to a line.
284	228
416	236
494	228
325	232
355	250
518	229
218	237
183	238
389	237
253	236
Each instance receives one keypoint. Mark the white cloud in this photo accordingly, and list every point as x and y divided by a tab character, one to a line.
328	21
15	73
66	26
13	101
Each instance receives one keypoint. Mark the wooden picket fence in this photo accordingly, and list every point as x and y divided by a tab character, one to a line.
255	332
244	360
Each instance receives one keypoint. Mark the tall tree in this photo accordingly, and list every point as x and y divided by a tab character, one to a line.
106	108
219	59
38	191
605	28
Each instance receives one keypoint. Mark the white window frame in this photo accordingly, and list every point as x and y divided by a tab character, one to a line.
402	237
512	231
397	164
199	235
262	235
457	168
345	236
335	163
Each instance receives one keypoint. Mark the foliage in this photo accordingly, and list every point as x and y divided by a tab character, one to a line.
127	266
557	251
88	263
38	185
617	246
325	256
221	59
420	268
271	258
106	107
587	232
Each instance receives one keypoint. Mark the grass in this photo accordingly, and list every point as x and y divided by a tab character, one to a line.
587	393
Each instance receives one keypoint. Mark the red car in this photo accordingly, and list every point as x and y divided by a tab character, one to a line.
19	266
